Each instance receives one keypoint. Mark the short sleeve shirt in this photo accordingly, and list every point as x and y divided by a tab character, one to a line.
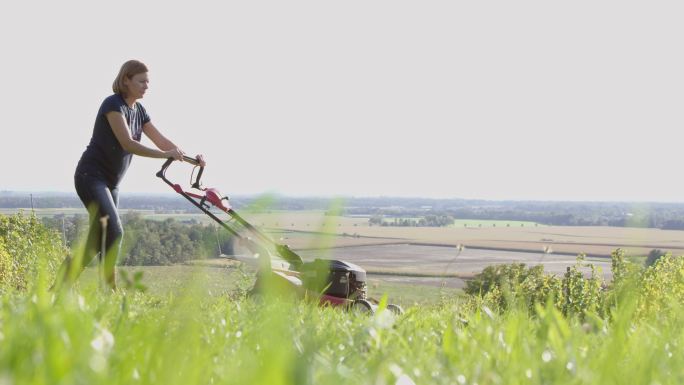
104	155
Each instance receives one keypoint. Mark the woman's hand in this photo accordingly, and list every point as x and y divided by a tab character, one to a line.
176	154
200	159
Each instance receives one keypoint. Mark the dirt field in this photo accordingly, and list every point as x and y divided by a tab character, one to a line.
406	259
306	230
412	254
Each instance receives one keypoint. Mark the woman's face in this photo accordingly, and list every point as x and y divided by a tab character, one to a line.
137	85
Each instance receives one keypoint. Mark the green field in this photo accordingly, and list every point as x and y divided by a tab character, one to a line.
173	280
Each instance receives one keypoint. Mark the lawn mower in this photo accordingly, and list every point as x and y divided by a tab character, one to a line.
333	282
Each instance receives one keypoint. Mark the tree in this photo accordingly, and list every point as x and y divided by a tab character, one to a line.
653	257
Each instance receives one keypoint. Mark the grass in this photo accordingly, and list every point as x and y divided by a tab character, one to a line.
87	337
173	280
224	279
194	325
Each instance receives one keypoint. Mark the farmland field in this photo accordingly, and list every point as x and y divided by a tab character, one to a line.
304	230
492	223
313	229
438	260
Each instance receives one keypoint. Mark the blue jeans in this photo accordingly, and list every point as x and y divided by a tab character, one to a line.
101	200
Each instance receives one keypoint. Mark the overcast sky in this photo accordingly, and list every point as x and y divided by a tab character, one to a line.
554	100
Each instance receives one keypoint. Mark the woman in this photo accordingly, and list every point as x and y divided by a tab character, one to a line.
120	123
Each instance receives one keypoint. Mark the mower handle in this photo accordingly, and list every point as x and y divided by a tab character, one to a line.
188	159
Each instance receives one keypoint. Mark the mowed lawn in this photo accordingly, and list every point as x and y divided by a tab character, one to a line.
231	279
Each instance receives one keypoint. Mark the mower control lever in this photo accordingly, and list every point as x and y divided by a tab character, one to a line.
190	160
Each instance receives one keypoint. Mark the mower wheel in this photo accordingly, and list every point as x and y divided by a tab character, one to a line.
396	309
362	306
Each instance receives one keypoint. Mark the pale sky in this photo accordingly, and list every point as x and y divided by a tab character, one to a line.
553	100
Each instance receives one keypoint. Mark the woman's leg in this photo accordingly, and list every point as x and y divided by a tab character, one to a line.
114	239
100	202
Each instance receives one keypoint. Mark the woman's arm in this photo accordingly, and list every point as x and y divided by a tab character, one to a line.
162	142
157	138
123	135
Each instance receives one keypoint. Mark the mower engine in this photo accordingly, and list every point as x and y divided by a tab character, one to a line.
334	279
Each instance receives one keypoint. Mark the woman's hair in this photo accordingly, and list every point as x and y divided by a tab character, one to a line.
128	70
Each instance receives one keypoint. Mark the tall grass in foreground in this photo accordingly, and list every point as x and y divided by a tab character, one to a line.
575	331
85	337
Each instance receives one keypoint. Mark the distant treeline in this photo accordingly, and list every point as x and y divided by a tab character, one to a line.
648	215
149	242
619	214
426	221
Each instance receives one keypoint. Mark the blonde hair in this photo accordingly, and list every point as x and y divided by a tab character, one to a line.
128	70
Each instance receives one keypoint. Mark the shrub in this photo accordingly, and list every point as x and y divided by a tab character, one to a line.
581	294
623	270
661	288
656	291
498	276
26	246
653	257
505	286
6	270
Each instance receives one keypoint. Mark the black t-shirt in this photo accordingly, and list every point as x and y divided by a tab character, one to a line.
104	155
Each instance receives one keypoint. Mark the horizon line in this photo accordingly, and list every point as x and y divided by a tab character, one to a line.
352	196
